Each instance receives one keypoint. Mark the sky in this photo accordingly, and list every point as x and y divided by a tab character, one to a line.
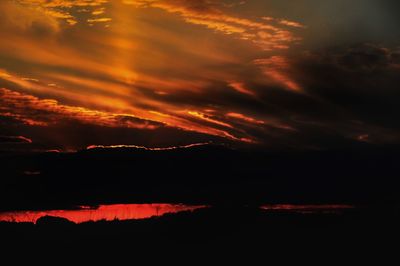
264	74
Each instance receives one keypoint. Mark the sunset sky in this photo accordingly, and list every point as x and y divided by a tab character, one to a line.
305	74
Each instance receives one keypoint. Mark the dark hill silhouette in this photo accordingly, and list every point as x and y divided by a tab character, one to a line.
52	221
207	174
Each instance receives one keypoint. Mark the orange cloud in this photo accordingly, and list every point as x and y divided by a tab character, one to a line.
34	111
25	105
78	90
206	13
240	87
284	22
277	68
245	118
98	11
137	70
96	20
185	123
208	119
15	17
65	3
61	9
291	23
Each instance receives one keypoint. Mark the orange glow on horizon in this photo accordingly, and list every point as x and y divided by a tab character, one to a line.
91	147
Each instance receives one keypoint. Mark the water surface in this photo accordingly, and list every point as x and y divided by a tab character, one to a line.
324	208
102	212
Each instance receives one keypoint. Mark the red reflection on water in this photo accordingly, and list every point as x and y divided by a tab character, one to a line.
103	212
306	208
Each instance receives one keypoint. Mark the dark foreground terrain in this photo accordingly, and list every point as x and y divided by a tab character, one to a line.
206	233
231	181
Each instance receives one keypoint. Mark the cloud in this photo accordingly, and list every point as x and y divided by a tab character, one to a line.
291	23
208	119
34	111
240	87
245	118
348	96
204	70
97	70
64	9
366	57
277	69
20	18
65	3
352	91
14	139
266	34
97	20
98	11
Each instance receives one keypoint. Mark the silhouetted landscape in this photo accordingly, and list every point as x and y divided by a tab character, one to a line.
234	184
208	174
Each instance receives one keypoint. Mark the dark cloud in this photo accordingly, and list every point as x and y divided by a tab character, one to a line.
366	57
360	82
395	57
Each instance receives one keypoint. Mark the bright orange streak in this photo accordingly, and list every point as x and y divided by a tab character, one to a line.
104	212
176	121
239	87
245	118
208	119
